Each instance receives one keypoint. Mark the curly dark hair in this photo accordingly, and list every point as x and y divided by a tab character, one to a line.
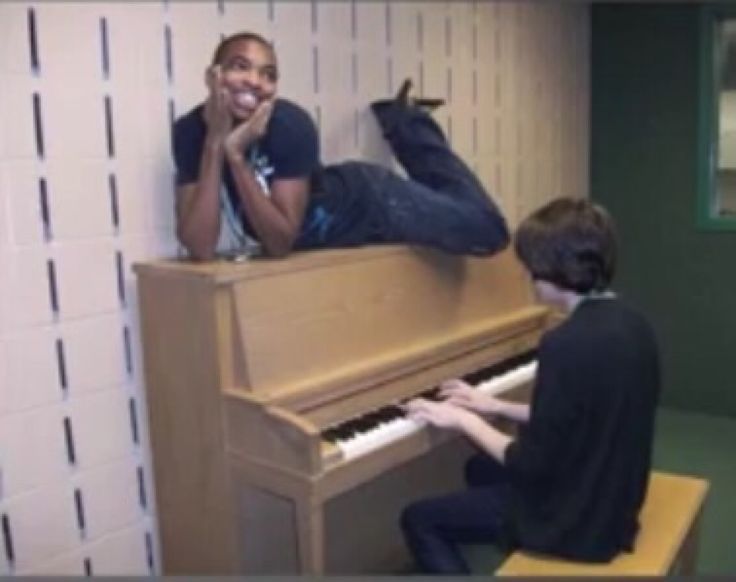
570	242
237	37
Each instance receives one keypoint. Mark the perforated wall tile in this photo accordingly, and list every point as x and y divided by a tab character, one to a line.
33	451
43	524
94	335
95	293
31	374
27	297
110	497
101	427
21	203
123	554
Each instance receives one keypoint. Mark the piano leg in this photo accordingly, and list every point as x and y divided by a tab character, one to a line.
311	538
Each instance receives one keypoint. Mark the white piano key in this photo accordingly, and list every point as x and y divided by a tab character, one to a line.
379	437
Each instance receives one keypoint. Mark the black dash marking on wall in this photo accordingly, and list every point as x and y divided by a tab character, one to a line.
8	539
420	31
133	420
356	128
38	124
149	550
79	504
389	76
43	201
33	41
449	85
61	365
168	54
387	14
69	439
448	36
354	73
128	351
318	117
315	68
221	7
314	16
421	77
353	20
142	497
474	42
271	14
109	127
104	45
112	182
172	113
88	567
475	87
498	45
53	294
121	278
475	135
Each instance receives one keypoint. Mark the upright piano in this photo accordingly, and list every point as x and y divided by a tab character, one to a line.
272	389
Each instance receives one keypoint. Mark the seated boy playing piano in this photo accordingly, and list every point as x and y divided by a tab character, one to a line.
572	482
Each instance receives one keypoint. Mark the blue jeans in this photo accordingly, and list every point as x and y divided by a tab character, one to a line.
434	527
443	204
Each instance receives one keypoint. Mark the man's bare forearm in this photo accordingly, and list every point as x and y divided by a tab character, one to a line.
488	438
273	229
514	411
198	225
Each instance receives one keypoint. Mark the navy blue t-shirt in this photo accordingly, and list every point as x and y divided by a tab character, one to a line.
337	215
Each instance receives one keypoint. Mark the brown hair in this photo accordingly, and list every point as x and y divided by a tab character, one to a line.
237	37
570	242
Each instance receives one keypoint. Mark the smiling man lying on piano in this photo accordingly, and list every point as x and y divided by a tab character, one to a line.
572	482
247	166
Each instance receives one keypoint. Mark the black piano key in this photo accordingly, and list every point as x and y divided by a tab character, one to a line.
500	367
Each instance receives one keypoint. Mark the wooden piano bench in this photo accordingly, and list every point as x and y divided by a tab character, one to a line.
667	541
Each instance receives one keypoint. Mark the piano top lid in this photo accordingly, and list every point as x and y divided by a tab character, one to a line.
223	271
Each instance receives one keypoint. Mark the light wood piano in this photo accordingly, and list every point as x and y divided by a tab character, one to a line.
271	387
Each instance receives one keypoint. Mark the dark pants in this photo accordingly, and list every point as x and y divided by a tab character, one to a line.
434	527
443	204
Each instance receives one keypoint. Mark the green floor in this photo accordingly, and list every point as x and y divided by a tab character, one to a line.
693	444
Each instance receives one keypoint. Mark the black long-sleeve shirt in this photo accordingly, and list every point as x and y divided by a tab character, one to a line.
580	466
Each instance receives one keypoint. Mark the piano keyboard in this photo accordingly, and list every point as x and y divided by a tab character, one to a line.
378	428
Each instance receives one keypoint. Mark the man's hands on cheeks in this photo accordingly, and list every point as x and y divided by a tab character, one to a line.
217	112
251	130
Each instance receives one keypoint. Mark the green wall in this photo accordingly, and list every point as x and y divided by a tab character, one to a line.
644	130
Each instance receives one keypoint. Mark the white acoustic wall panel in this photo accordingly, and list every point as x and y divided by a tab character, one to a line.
119	480
44	524
32	453
20	187
17	122
103	336
26	288
31	371
88	92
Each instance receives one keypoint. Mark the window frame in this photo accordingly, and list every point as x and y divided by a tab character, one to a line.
709	113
